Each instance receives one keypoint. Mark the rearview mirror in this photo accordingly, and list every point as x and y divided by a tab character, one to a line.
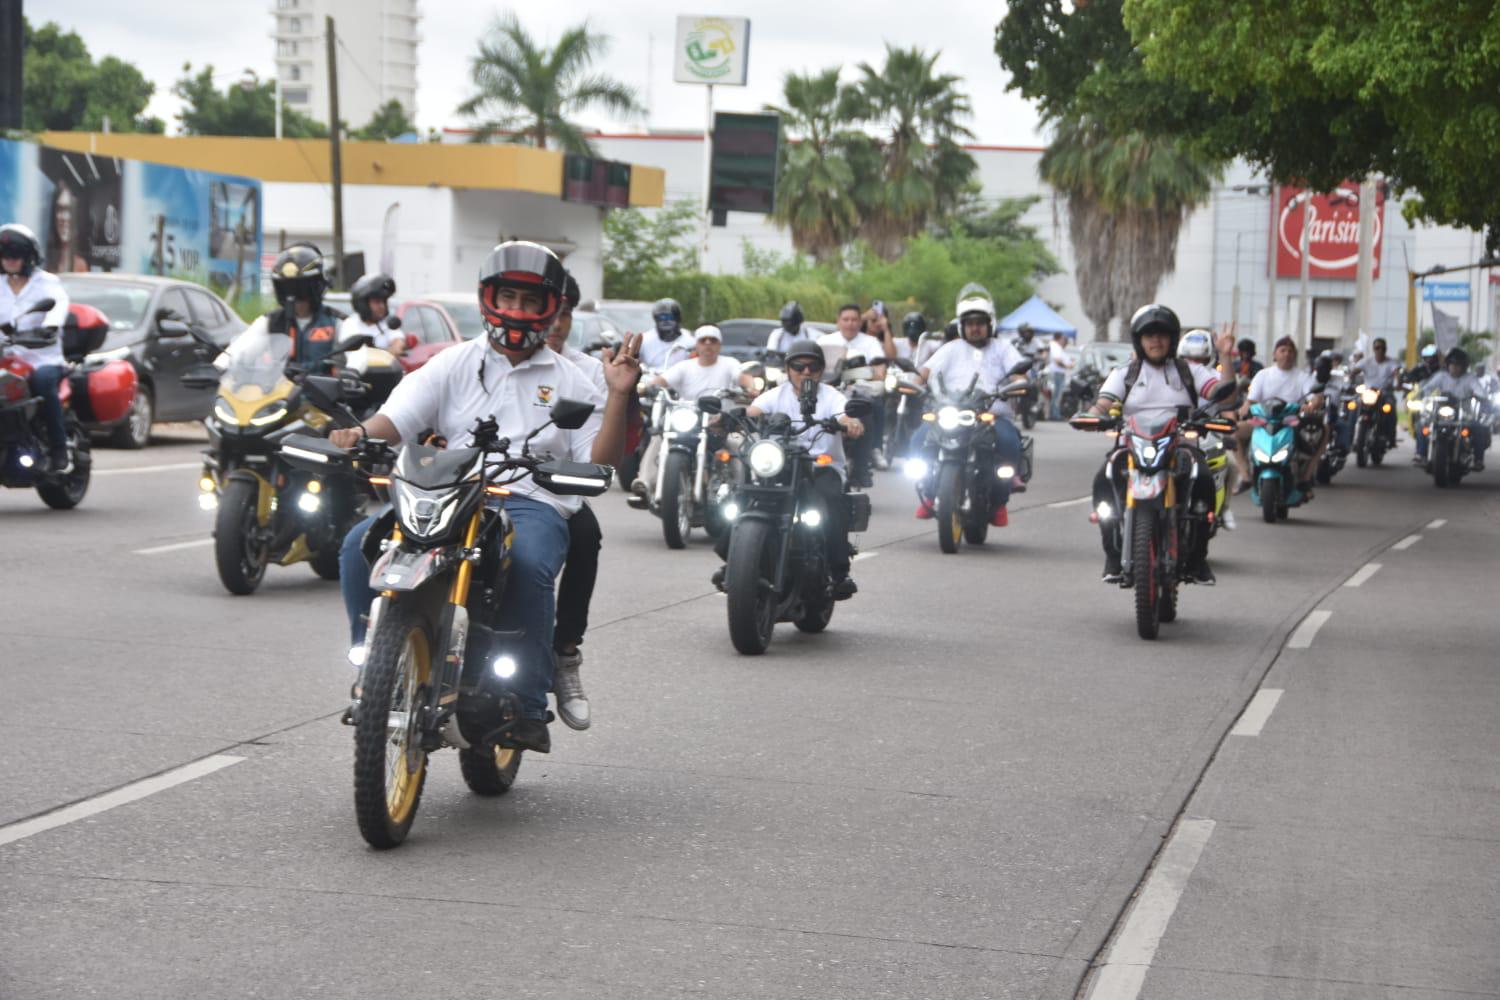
859	408
710	404
570	414
393	322
45	305
1020	368
325	391
905	364
170	328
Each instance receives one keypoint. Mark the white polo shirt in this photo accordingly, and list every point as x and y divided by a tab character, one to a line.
659	355
446	395
835	346
1378	374
958	361
1289	386
1158	390
690	379
13	305
784	399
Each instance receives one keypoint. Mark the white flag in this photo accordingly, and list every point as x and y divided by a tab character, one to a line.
1362	343
388	240
1444	330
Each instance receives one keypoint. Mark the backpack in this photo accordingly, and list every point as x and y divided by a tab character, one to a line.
1133	372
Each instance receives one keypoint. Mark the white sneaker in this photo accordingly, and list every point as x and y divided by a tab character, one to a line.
1228	520
572	703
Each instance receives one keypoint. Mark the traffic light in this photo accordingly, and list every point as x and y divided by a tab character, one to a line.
742	171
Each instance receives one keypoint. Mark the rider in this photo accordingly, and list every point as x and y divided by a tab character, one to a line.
1197	347
664	346
978	354
575	588
1429	363
1285	382
805	362
371	298
1059	363
790	330
852	342
511	376
25	285
1455	379
299	281
913	329
1246	366
1156	382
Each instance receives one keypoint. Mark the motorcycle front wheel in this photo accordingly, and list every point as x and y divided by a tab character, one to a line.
1146	564
1442	463
1362	445
390	765
1270	499
949	504
677	499
750	590
977	524
239	552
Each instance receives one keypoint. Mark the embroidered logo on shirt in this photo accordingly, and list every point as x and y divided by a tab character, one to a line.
544	395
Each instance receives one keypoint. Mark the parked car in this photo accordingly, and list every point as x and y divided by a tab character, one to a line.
627	316
426	325
745	339
135	305
462	309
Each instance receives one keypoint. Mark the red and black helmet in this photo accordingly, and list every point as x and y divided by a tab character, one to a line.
17	240
529	267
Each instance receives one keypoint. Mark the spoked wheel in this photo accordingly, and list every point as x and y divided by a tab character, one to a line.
1270	499
750	589
949	504
239	550
677	500
490	772
390	765
66	492
1146	563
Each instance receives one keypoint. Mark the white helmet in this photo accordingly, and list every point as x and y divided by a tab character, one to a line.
1196	345
975	304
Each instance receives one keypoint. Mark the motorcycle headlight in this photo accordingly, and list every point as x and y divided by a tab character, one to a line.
423	513
684	420
1369	396
1281	455
948	418
767	459
891	382
915	469
1262	457
269	414
224	411
1446	412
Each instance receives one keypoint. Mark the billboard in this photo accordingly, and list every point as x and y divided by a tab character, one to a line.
593	181
742	171
103	213
1333	249
712	50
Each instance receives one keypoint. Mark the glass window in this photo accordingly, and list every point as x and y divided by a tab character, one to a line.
294	95
286	48
434	330
294	72
206	312
123	304
174	301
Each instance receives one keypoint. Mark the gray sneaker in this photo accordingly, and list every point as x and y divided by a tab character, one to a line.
572	703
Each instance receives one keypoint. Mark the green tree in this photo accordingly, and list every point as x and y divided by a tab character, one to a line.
815	186
641	250
388	122
530	92
65	90
243	107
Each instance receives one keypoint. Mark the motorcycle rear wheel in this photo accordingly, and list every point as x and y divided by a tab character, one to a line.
390	767
677	500
749	588
1146	565
816	614
238	554
949	504
490	772
1270	499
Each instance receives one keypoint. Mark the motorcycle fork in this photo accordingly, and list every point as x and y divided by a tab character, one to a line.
700	470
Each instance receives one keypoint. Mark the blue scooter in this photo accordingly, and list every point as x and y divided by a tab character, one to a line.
1273	454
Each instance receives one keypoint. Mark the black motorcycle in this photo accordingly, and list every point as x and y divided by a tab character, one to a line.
23	436
435	674
692	481
1449	424
1375	432
775	569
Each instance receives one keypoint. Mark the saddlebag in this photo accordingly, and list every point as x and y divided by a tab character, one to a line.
102	394
859	511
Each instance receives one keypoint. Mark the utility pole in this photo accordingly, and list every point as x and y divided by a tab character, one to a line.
1275	253
334	158
1304	342
1365	274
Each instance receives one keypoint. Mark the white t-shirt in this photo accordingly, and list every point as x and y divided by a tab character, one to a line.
1273	383
589	365
835	346
1058	361
1158	391
446	395
1463	387
1378	374
779	339
659	355
691	379
783	399
378	332
957	362
13	306
929	345
904	348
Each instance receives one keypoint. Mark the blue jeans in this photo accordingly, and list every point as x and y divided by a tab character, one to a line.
1007	452
1059	386
44	382
536	557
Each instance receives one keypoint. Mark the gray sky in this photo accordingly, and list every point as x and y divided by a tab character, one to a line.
786	35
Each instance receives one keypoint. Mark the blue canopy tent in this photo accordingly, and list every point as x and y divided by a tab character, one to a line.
1041	316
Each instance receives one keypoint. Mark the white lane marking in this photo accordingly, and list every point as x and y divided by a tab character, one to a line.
1406	543
1123	973
1362	574
864	555
1257	712
1435	525
1071	503
157	549
120	796
174	467
1303	637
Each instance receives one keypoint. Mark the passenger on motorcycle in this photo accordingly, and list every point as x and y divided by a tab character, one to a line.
509	375
1429	363
371	299
1197	347
805	363
848	341
978	353
1285	382
25	285
1456	380
1157	381
664	346
790	330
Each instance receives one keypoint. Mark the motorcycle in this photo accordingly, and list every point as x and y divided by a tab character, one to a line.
1339	415
106	389
638	430
775	570
1274	446
1375	430
1079	394
1158	524
903	415
1448	424
264	511
434	674
856	378
959	480
691	482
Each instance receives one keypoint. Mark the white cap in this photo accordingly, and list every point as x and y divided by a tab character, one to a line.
710	331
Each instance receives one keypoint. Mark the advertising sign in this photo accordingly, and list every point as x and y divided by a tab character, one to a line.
1445	291
712	50
1333	250
742	174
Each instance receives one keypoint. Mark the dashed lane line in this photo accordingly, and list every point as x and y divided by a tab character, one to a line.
123	795
140	469
1406	543
1254	718
1306	632
1435	525
1362	574
175	546
1070	503
864	555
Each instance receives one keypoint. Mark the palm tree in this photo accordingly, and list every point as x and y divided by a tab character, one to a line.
1127	197
529	93
815	187
924	171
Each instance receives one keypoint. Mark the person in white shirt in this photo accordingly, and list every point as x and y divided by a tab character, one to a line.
791	329
511	376
1284	381
1058	366
371	299
1380	372
1456	380
664	346
25	286
847	342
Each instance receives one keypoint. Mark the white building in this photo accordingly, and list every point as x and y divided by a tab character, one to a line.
376	55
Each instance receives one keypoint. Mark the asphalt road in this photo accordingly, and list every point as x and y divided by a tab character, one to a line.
978	783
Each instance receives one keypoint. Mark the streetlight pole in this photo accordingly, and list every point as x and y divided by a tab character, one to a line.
1234	308
1275	191
1303	340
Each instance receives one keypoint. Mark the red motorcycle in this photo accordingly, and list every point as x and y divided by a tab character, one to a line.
100	391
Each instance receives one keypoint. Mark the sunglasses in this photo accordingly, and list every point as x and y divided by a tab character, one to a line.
803	367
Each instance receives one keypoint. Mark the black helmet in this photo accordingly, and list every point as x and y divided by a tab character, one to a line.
298	274
1155	318
371	286
668	316
1458	356
1025	331
791	316
1246	347
950	332
571	294
914	325
805	349
529	267
17	240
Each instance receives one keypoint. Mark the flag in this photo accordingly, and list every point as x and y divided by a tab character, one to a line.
1444	330
1362	343
388	239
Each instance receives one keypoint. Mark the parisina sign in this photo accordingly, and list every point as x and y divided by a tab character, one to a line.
1333	221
